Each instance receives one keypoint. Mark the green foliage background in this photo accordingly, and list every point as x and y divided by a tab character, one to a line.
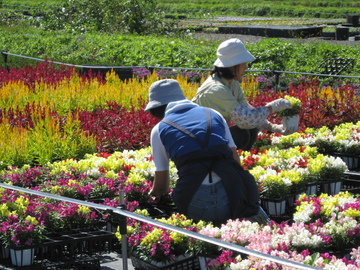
106	32
285	8
153	50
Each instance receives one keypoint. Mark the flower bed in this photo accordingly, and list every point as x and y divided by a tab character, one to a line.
89	113
99	177
342	141
324	227
64	163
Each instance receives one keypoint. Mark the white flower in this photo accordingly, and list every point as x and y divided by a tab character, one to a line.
244	264
305	214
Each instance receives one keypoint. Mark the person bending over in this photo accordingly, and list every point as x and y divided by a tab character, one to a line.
212	185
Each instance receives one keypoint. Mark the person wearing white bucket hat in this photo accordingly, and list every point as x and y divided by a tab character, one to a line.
212	185
222	91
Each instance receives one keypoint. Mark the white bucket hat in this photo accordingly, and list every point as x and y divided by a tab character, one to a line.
163	92
232	52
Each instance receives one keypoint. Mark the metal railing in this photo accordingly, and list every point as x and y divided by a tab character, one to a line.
126	214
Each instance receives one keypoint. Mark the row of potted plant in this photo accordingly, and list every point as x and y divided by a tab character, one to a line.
105	113
280	172
343	138
325	234
101	176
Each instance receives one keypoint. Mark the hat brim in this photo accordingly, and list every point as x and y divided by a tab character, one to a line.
154	104
245	57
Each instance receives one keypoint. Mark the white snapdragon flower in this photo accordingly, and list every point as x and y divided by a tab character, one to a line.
94	173
305	141
305	214
244	264
307	239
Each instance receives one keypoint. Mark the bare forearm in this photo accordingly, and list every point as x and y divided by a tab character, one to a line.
161	183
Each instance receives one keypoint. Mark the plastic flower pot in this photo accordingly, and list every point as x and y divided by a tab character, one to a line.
290	122
331	187
274	207
22	257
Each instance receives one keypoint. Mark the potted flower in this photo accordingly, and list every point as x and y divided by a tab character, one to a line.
21	236
290	117
338	216
275	191
329	171
152	246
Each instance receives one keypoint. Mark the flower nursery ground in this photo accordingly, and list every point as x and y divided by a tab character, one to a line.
113	260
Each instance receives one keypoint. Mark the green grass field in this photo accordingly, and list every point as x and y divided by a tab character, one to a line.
31	2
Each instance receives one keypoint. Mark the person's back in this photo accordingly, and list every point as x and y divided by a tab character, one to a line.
194	119
212	186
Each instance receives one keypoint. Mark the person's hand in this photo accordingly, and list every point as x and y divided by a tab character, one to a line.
154	197
282	130
279	104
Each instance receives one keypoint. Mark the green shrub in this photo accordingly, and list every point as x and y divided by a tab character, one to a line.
128	16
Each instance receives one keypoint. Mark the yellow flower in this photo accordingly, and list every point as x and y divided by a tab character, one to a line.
177	237
118	235
54	189
82	209
111	174
293	175
295	102
257	172
73	182
143	212
329	204
135	179
152	237
20	205
352	213
4	210
31	220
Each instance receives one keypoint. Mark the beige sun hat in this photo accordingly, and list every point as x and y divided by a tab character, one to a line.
232	52
163	92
